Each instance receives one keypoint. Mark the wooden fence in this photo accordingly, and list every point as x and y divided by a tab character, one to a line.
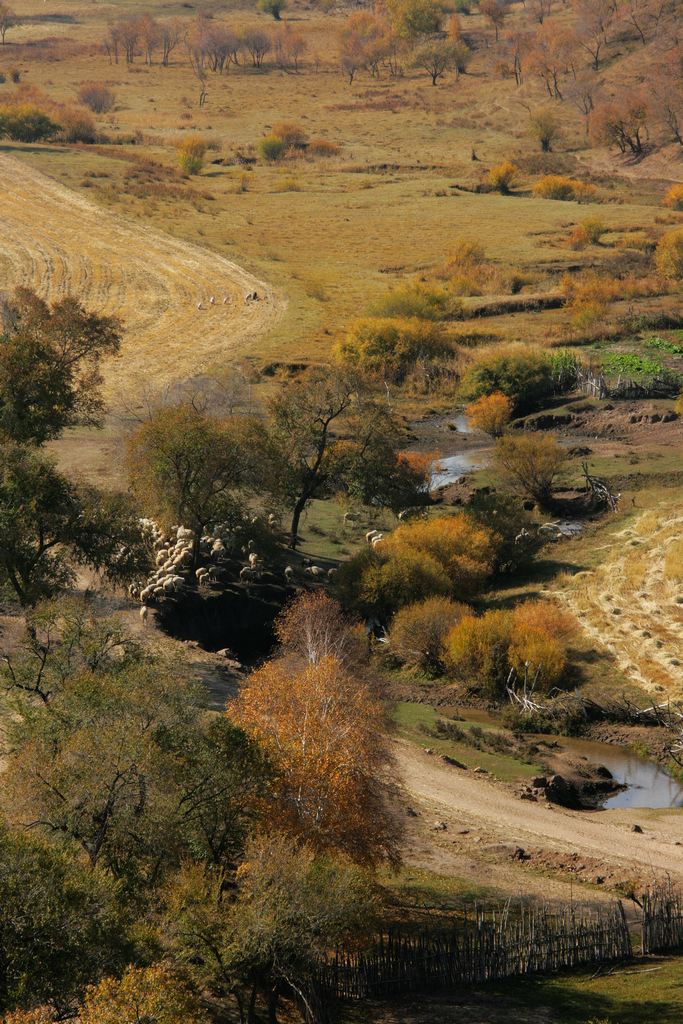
592	383
487	947
662	920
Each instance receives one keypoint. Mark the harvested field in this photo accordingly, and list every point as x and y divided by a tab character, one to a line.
151	281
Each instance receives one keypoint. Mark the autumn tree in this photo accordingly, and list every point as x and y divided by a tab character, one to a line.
149	34
323	728
170	34
540	9
532	462
273	7
391	344
623	122
667	89
186	467
544	126
594	21
551	58
314	627
7	20
50	359
495	13
155	994
363	42
669	255
521	372
490	413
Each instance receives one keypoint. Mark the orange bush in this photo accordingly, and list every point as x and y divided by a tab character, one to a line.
674	197
490	413
669	255
418	631
477	651
464	550
502	177
557	186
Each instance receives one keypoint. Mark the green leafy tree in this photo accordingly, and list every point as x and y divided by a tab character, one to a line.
60	926
186	467
324	433
522	373
436	58
413	19
50	359
274	7
290	909
26	123
125	765
50	526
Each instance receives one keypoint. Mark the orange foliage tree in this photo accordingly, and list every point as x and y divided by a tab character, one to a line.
490	413
323	728
532	462
143	994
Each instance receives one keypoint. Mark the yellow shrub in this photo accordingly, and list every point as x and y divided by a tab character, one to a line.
502	177
464	550
669	254
557	186
418	631
190	153
674	197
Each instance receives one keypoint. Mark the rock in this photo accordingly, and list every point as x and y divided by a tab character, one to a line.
540	782
603	773
560	791
428	750
451	760
440	826
636	828
466	832
528	796
528	505
479	770
599	880
520	854
411	812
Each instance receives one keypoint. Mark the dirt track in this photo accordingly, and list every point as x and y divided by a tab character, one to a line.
464	800
56	241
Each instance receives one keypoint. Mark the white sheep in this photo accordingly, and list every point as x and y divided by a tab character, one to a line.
351	517
200	305
377	540
201	571
331	573
144	612
369	536
253	560
212	301
247	574
314	570
289	573
225	300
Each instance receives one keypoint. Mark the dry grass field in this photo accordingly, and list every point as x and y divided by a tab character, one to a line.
329	233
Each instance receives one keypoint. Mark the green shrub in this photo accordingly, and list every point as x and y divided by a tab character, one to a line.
522	373
26	123
271	148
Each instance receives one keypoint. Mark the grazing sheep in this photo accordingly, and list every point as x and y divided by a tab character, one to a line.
200	305
370	535
200	571
331	573
272	519
314	570
351	517
212	301
251	544
247	574
144	612
225	300
377	540
289	574
253	560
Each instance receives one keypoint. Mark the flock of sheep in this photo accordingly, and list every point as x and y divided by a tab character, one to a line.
249	297
175	558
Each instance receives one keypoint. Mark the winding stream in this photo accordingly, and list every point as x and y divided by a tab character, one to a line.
647	784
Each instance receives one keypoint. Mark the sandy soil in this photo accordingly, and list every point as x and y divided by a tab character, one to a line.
493	814
55	241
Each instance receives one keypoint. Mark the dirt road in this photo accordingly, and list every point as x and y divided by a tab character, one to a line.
465	800
57	241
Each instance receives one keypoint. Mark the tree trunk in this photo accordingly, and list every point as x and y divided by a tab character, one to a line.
251	1012
273	998
296	516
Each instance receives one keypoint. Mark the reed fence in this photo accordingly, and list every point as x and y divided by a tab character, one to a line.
662	920
485	947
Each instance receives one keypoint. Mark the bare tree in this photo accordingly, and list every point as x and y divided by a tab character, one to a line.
7	20
257	44
171	34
